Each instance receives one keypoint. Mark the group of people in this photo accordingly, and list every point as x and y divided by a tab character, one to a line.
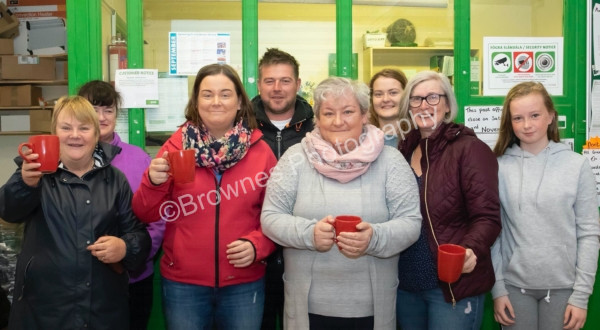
251	242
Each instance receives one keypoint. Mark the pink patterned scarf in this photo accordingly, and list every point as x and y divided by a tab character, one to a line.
345	167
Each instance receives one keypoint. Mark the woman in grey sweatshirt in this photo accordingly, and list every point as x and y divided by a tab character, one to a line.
546	256
342	280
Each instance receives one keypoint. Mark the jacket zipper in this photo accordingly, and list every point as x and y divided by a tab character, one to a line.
25	279
278	139
218	207
429	217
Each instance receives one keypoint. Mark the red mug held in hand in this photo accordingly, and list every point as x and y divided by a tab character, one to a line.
48	149
451	259
182	165
346	223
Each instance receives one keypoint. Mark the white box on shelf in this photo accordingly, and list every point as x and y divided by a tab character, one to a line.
374	40
14	123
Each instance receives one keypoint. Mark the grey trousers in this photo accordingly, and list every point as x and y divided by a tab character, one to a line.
538	309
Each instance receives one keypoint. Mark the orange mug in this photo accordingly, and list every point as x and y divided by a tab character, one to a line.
346	223
48	149
182	165
451	258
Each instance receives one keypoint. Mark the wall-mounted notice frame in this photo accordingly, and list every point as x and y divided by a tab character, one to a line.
508	61
189	51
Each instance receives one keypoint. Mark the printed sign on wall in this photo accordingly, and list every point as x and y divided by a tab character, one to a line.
591	150
189	51
509	61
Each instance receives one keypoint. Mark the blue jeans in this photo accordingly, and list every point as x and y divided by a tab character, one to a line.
428	310
189	306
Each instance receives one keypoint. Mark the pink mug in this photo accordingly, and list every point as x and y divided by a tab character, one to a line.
48	149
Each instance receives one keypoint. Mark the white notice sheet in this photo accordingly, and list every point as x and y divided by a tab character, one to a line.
138	87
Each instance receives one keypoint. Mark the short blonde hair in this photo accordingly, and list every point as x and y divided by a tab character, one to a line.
78	107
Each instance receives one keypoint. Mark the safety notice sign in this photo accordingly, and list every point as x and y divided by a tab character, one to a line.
508	61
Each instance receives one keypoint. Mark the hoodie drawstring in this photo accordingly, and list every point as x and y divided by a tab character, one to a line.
537	192
521	180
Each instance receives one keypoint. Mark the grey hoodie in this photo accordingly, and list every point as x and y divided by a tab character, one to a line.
550	226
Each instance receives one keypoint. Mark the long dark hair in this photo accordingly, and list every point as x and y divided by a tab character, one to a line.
507	135
246	112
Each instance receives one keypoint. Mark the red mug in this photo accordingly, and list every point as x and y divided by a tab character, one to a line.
451	258
346	223
182	165
48	149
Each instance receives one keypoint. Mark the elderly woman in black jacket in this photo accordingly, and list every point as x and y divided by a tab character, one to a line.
80	232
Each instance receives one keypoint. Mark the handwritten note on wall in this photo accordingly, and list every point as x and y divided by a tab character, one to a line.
485	121
592	151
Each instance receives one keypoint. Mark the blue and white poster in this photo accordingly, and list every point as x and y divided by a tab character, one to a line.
189	51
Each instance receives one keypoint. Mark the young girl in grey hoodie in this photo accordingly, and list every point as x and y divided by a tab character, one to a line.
546	256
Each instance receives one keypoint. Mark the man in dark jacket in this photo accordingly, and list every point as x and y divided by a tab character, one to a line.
284	118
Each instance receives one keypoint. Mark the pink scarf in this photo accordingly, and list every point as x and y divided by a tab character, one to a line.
346	167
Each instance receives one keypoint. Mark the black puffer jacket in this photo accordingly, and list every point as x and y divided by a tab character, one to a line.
460	181
59	284
300	124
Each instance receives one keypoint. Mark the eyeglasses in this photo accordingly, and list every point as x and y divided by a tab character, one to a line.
432	99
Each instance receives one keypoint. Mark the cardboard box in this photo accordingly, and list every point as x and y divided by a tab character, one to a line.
14	123
27	67
62	70
9	24
6	47
38	8
40	120
19	96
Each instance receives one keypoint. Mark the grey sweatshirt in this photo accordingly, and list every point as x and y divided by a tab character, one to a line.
550	226
328	283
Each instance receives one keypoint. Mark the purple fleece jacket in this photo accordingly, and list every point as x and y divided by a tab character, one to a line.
133	161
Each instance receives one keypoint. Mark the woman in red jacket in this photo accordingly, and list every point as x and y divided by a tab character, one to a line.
458	180
212	265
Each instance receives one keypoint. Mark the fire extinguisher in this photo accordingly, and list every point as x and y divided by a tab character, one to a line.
117	56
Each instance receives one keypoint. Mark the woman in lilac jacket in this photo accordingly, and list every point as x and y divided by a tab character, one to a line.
132	161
